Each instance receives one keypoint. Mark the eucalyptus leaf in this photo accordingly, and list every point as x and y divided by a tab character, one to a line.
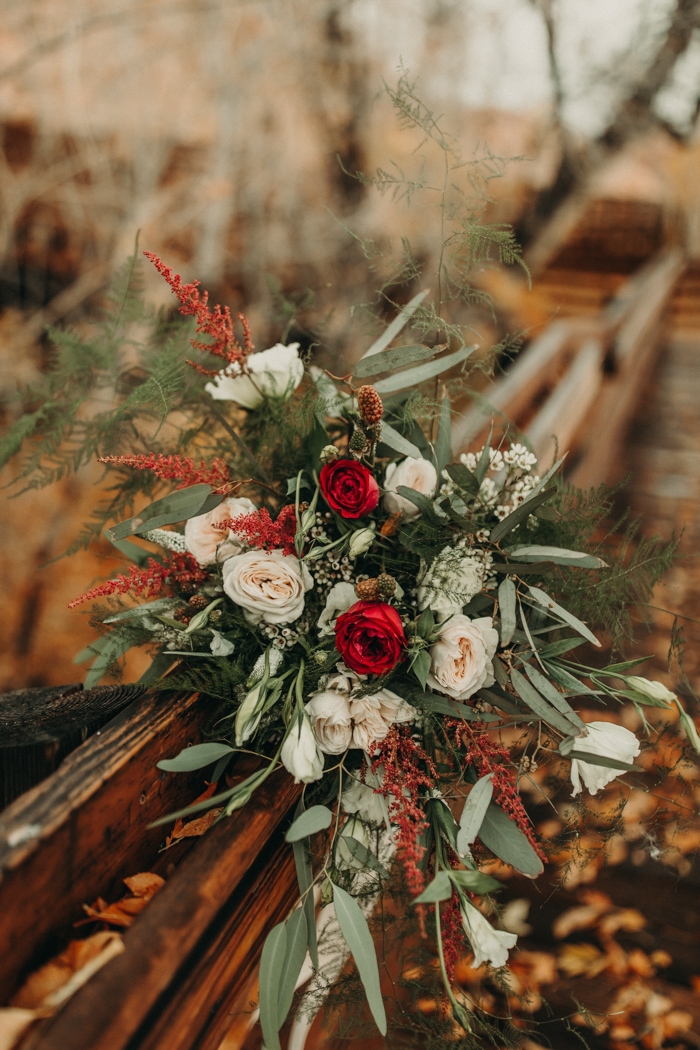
396	357
312	820
551	693
295	953
506	605
627	665
521	513
364	855
158	668
568	680
421	666
558	648
484	463
473	812
414	376
271	971
399	322
355	930
443	705
538	704
443	445
558	555
507	841
463	478
601	760
398	443
196	757
424	503
543	599
176	506
132	551
92	650
440	889
475	881
305	879
147	609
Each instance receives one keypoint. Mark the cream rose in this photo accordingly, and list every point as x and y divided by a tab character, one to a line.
373	716
461	661
270	585
418	474
276	372
329	712
204	538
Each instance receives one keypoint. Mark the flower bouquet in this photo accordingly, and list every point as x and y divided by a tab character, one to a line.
394	624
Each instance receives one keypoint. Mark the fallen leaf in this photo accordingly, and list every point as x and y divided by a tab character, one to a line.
193	828
145	884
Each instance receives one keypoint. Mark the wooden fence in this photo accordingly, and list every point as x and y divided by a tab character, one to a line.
188	967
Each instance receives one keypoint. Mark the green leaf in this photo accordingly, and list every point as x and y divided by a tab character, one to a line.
475	881
295	953
355	930
551	693
545	480
399	322
626	666
551	606
506	604
92	650
424	503
388	360
443	705
305	879
484	463
421	666
443	445
318	818
440	889
506	840
473	812
177	506
132	551
147	609
196	757
569	681
558	555
564	645
463	478
364	855
398	443
115	646
520	514
538	704
425	623
601	760
271	970
689	727
413	376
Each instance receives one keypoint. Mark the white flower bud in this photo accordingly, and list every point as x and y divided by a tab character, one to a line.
489	945
329	453
249	714
300	754
654	690
361	541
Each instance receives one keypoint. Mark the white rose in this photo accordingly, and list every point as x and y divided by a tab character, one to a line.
488	945
340	597
270	585
329	712
276	372
450	583
374	715
206	540
461	661
300	754
602	738
418	474
654	690
361	799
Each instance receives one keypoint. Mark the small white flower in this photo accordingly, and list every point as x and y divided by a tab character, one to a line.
461	660
606	739
276	372
204	537
269	585
300	754
489	945
418	474
219	645
340	597
654	690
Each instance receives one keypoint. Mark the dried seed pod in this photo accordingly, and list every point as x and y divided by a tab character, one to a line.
358	441
198	601
183	615
386	585
369	404
367	590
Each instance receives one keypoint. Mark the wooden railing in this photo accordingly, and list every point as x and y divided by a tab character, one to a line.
188	968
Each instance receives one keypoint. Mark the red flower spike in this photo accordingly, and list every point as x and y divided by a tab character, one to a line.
178	468
216	323
259	530
148	582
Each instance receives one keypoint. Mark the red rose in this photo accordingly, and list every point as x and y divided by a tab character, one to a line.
349	488
370	638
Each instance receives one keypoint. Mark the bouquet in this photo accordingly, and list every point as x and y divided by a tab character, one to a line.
395	623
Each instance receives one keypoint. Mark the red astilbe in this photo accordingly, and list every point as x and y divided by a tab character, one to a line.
216	323
490	758
453	937
259	530
148	582
407	771
178	468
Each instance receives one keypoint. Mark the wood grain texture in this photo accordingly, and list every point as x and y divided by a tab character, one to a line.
85	828
108	1012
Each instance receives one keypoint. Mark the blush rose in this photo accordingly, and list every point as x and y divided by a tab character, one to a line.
204	537
462	659
349	488
269	585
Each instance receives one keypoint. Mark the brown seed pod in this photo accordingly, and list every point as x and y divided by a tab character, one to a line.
198	601
367	590
358	441
369	404
182	615
386	585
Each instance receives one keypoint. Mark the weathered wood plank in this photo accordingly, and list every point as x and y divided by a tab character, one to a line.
108	1013
77	834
